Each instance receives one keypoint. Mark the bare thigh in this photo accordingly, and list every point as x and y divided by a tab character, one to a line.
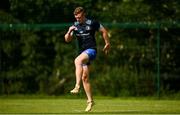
82	59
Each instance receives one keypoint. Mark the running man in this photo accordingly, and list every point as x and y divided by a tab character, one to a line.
84	29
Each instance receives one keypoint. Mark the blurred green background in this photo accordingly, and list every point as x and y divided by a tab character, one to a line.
144	56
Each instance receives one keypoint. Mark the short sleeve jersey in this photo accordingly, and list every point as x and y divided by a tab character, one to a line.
85	34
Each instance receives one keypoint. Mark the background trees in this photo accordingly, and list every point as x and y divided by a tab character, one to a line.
39	61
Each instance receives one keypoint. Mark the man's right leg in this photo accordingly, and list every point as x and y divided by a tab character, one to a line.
79	61
87	88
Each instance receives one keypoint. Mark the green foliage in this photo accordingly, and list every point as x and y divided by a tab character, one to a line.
39	61
121	81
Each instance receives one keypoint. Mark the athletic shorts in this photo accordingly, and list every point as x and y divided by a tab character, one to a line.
91	54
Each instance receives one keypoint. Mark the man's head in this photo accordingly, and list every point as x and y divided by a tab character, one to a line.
79	14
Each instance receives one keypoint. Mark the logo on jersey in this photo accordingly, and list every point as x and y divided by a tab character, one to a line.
81	32
88	28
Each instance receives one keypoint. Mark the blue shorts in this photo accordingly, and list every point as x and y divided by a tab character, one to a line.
91	54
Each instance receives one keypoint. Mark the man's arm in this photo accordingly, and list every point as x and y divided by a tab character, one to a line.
106	40
69	34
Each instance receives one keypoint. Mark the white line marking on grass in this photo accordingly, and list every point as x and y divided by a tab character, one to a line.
89	113
78	111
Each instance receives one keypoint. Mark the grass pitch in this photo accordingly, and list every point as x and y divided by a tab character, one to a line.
54	106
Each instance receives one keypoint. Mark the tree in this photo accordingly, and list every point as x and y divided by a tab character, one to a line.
39	61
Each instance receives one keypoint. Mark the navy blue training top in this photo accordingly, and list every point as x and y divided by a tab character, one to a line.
85	34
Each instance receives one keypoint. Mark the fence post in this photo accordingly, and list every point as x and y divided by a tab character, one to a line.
0	54
158	59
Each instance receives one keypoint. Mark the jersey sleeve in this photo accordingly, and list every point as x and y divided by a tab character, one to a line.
96	25
76	23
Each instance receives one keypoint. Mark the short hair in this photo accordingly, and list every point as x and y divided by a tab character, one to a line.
78	10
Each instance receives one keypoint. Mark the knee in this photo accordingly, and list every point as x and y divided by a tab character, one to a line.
85	78
77	61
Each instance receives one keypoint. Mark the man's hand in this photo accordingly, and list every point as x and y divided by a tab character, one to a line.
71	29
106	48
69	34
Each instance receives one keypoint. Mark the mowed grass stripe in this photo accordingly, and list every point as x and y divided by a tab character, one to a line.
77	106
